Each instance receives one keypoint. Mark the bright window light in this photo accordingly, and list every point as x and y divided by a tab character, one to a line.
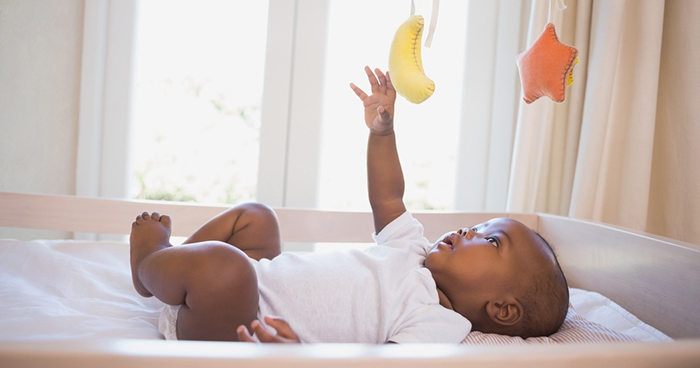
198	92
360	33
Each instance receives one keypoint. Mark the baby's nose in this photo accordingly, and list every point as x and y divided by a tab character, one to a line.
469	233
465	232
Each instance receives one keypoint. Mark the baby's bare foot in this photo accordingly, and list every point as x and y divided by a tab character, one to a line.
149	234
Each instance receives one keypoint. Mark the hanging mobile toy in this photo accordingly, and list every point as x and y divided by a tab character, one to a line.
405	63
546	69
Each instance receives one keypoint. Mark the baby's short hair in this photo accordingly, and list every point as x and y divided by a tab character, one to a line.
545	300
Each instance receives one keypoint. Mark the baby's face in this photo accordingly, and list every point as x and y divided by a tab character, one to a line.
475	265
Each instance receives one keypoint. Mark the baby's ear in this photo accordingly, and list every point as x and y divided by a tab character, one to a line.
506	312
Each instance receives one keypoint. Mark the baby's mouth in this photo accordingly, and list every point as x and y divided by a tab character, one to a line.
448	241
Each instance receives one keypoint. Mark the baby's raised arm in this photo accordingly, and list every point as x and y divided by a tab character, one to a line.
384	175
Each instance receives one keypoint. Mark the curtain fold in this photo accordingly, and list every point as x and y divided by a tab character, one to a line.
489	109
613	168
674	203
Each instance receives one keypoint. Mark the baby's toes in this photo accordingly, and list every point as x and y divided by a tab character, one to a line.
155	216
146	216
165	220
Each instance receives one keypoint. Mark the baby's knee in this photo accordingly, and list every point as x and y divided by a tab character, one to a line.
224	272
258	216
220	263
258	209
251	213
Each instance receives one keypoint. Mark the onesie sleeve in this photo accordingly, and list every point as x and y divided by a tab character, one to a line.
433	324
404	227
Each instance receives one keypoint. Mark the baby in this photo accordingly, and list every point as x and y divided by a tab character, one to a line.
229	278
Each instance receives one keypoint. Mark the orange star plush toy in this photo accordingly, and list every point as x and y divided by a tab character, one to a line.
545	69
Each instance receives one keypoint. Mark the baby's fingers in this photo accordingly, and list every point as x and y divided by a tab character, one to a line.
372	79
262	334
382	81
384	116
243	334
390	86
359	92
282	327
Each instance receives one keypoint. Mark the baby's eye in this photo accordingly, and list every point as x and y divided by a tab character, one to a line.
493	241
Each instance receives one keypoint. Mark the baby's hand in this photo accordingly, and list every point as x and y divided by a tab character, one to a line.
284	332
379	107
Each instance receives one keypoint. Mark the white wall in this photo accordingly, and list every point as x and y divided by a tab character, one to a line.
40	56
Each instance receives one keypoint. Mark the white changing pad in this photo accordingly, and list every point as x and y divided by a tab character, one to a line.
57	289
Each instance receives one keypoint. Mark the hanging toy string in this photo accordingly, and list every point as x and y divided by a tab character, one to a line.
560	6
433	20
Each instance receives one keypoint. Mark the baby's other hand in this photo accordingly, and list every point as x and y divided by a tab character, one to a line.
379	107
285	334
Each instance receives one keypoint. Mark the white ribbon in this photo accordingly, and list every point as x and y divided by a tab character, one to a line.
560	6
433	20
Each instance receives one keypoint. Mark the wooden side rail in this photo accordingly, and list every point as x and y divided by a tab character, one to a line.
114	216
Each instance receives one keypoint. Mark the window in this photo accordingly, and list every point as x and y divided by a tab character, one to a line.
427	146
200	72
197	100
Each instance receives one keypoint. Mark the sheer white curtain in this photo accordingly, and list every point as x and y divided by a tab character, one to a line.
105	102
513	156
608	151
490	103
547	136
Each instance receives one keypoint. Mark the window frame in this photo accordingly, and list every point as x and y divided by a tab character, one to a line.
291	113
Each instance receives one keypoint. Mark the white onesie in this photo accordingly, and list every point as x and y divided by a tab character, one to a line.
381	294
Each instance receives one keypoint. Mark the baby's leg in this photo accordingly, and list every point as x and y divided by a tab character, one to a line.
214	282
250	227
149	234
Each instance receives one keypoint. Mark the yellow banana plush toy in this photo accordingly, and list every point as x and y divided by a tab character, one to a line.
405	63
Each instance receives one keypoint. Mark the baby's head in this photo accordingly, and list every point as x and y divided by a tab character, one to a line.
503	277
